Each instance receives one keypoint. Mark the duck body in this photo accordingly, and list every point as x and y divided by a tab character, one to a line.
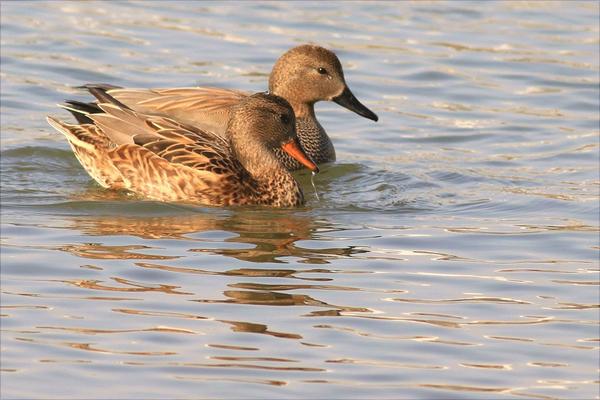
164	159
303	76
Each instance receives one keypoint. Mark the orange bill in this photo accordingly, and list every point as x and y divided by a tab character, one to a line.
293	149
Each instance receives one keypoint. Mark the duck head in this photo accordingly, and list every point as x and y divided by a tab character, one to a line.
261	123
309	73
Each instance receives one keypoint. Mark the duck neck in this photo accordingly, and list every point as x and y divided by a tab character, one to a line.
303	107
260	163
276	185
304	110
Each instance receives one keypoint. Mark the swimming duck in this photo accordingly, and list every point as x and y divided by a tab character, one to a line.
163	159
303	76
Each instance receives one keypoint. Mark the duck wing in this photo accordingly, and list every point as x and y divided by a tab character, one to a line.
168	160
205	107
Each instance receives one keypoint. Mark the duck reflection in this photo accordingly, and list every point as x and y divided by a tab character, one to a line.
249	327
261	235
265	298
248	272
244	235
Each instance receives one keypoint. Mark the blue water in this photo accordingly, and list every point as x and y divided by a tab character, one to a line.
452	253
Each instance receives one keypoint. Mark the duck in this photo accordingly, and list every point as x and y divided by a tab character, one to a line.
161	158
303	75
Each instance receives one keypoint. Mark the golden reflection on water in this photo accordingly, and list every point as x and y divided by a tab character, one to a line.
383	364
230	347
269	382
250	272
248	327
46	296
157	313
129	286
89	331
479	299
262	286
266	237
277	299
451	259
249	366
103	252
92	348
506	367
271	236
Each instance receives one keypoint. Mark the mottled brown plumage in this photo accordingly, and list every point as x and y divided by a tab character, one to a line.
303	76
164	159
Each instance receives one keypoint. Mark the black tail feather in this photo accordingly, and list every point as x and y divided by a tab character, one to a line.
102	86
88	108
99	91
80	110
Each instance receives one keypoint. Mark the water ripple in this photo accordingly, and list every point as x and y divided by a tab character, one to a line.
453	252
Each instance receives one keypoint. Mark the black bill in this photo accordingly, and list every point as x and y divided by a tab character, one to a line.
347	99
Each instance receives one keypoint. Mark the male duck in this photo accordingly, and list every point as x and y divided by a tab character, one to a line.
303	76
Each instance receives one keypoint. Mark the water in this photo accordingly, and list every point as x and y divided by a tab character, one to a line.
453	252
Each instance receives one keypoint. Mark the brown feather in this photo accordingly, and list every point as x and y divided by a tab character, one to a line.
90	146
155	177
165	159
206	108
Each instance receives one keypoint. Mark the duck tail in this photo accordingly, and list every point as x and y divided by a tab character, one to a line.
100	92
71	133
81	110
91	146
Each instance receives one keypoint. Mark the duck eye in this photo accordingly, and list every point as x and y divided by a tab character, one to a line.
322	70
285	118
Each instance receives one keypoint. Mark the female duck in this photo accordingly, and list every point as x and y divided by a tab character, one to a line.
162	159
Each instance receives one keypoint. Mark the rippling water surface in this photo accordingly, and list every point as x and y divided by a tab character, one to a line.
453	252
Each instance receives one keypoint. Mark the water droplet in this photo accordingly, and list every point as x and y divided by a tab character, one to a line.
312	180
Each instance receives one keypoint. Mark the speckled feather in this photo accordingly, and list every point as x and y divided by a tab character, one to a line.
315	142
164	159
209	109
294	77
